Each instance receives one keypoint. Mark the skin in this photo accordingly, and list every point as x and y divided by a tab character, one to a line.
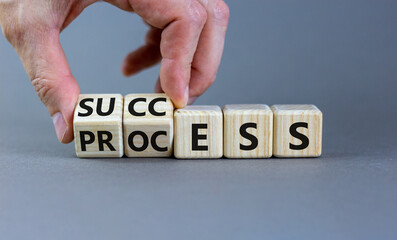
186	36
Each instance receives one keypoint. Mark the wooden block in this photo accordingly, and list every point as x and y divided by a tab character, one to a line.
98	125
297	131
198	132
148	125
248	131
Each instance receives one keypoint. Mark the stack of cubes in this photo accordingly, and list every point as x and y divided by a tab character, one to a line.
147	125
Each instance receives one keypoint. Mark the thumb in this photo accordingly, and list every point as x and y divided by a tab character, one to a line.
49	71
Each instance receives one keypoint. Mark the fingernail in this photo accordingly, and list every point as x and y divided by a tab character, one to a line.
186	96
191	100
60	125
126	70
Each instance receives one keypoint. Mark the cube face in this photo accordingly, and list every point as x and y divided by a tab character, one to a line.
198	132
297	131
248	131
148	125
98	125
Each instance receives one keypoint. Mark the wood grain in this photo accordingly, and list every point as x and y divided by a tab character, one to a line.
193	119
287	115
88	127
254	119
155	129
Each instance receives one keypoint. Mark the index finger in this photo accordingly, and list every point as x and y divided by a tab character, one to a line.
182	22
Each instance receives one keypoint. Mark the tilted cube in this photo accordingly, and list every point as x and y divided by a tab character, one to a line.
98	125
148	125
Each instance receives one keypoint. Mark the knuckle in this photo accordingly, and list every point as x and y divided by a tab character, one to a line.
12	33
16	32
221	12
203	83
196	14
14	23
44	89
21	27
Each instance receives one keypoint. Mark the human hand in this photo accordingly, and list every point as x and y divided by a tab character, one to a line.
187	36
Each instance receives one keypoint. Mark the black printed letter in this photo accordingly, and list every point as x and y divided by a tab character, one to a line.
131	107
154	143
131	141
106	141
245	134
151	107
196	137
99	107
84	106
296	134
85	142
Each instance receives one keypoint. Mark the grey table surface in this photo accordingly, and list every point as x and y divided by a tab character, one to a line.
339	55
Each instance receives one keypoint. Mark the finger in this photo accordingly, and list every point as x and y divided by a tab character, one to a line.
210	47
157	87
178	45
74	10
145	56
47	67
182	23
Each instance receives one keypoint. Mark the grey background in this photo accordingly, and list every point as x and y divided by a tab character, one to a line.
339	55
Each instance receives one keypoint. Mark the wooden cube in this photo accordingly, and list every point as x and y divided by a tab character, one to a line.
248	131
198	132
148	125
297	131
98	125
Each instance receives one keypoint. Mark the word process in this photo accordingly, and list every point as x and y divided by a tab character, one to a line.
147	125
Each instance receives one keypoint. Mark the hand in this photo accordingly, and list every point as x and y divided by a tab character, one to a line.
187	36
